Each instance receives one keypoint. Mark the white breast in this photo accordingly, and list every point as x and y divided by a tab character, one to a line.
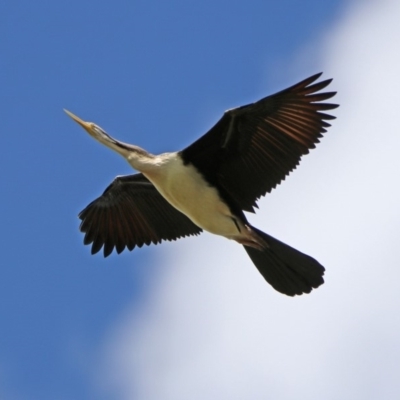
185	188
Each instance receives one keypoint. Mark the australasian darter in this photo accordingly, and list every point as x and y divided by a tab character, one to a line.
210	184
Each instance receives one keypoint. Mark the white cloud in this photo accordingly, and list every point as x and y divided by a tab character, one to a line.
213	329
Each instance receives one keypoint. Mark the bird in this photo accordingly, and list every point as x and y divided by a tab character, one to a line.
210	184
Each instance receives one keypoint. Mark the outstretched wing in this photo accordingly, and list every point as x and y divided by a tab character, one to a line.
253	148
131	212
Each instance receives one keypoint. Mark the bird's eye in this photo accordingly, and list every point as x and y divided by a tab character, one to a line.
94	127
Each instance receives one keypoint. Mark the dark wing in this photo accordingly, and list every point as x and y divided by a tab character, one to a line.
253	148
131	212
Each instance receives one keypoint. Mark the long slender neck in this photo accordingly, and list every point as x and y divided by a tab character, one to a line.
141	160
137	157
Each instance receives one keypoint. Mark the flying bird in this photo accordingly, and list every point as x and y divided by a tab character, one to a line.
212	182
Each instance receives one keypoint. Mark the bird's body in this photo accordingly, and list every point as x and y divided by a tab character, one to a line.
185	189
208	185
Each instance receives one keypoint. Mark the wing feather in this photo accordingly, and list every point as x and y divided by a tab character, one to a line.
131	212
252	148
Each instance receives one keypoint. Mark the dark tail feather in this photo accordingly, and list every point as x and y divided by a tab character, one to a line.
285	268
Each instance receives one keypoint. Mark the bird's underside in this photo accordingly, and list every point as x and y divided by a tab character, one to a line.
210	184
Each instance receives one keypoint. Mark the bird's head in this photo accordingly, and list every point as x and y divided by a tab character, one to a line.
94	130
135	155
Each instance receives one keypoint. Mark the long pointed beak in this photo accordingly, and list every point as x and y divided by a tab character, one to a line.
100	135
85	125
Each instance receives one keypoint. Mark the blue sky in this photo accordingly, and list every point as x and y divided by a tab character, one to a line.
76	326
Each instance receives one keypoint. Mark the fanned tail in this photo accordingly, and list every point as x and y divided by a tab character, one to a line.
286	269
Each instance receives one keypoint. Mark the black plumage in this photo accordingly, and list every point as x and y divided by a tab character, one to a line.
252	148
131	212
211	183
